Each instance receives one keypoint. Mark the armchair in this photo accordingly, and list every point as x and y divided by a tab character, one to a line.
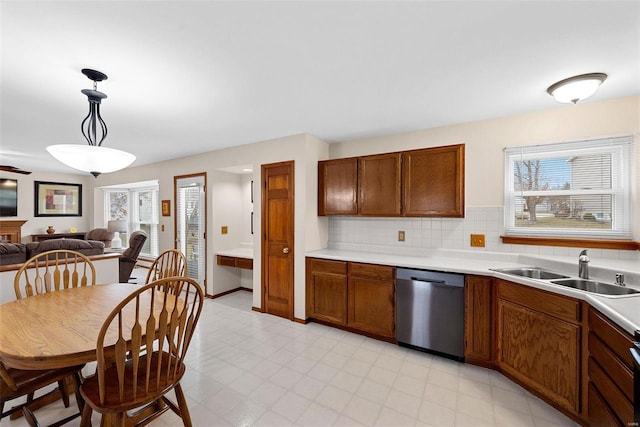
129	257
102	235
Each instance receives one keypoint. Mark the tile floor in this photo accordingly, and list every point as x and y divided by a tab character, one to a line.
252	369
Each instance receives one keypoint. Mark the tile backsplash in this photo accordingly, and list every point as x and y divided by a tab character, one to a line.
446	233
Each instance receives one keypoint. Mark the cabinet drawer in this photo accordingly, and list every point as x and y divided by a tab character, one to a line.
611	394
244	263
620	374
372	271
326	267
599	412
226	260
546	302
618	341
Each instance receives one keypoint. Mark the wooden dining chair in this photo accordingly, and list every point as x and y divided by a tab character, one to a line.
52	271
15	383
131	383
46	272
169	263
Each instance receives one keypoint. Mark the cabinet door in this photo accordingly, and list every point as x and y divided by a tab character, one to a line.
327	290
540	351
433	182
372	299
478	348
379	185
337	187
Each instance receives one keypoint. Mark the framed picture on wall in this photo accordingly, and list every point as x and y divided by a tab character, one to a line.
166	208
57	199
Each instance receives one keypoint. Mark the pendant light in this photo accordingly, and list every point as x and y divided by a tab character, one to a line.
92	158
576	88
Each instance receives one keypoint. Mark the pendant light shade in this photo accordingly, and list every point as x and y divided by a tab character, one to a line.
92	158
576	88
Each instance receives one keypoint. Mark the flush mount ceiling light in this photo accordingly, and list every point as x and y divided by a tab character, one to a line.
576	88
92	158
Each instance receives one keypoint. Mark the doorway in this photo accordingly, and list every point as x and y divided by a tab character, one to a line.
277	239
190	226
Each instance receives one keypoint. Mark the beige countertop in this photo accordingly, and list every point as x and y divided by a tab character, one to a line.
622	309
237	253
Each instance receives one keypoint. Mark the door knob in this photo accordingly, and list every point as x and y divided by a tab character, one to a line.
285	250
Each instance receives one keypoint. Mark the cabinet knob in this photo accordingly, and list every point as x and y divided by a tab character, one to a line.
285	250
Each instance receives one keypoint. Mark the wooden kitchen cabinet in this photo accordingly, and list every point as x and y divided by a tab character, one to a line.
327	290
538	342
610	371
422	183
478	324
338	187
372	299
359	297
433	182
379	185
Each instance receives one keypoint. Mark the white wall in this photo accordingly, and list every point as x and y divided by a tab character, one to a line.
38	225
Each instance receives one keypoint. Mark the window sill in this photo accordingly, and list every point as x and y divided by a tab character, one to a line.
628	245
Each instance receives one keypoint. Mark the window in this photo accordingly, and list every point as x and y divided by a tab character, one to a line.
569	190
139	206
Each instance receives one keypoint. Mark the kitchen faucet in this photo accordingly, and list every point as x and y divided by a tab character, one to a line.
583	265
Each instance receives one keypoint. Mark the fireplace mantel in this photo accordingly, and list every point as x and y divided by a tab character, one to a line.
10	230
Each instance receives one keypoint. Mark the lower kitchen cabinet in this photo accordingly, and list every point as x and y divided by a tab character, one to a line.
478	325
360	297
610	373
372	299
538	342
327	290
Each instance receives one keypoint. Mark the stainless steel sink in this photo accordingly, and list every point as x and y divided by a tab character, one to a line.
595	287
532	272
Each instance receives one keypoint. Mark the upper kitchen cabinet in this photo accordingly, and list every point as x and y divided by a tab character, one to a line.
433	182
420	183
338	186
379	185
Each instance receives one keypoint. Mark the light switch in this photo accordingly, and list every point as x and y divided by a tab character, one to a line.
224	229
400	236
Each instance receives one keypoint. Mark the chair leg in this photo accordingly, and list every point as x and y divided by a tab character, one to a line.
29	417
182	404
87	411
79	399
62	386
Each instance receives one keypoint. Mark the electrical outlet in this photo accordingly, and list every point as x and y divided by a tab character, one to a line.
224	229
400	236
477	240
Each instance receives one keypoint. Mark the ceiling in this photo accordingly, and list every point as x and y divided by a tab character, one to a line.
187	77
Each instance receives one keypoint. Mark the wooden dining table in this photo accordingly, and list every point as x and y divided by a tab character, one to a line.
57	329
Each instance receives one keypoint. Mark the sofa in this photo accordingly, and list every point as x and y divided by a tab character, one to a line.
17	253
12	253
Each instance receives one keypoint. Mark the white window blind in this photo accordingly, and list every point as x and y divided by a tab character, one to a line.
191	228
577	189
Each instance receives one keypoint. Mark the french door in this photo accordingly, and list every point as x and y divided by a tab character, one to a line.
190	223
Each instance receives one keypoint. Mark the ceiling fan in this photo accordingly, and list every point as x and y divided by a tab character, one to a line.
13	169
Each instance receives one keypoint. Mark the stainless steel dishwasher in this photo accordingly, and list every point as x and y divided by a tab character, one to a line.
430	311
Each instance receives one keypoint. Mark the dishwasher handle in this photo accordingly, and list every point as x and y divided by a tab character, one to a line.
436	282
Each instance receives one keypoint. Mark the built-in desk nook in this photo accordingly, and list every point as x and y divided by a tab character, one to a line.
237	257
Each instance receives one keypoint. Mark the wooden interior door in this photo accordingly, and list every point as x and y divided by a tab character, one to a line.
277	239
